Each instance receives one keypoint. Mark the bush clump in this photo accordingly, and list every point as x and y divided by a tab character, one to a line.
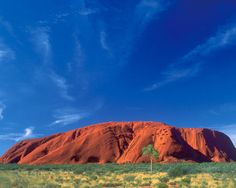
162	185
177	171
129	178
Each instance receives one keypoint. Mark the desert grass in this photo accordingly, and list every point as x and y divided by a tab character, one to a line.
112	175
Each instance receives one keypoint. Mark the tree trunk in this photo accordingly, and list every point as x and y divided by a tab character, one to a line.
151	165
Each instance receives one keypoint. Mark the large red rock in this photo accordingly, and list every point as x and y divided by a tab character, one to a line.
122	142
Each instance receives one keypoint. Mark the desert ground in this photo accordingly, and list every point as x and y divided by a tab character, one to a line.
113	175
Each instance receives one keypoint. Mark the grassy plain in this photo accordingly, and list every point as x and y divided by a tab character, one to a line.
112	175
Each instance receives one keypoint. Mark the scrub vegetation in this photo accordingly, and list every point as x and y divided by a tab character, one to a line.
113	175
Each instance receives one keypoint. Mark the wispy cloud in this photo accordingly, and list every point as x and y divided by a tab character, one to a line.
28	133
6	53
189	65
77	67
62	85
2	108
147	9
6	25
174	74
129	22
67	116
79	54
40	37
63	16
225	108
60	17
224	38
143	13
41	41
103	41
87	11
68	119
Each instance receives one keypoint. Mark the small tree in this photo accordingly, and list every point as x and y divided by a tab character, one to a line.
151	152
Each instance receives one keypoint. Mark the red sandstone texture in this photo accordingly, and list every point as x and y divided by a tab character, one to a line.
121	142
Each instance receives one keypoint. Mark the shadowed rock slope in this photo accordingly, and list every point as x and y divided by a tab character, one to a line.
122	142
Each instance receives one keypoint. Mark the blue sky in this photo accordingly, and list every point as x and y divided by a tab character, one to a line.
69	63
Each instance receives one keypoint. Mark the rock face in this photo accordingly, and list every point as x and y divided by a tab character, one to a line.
122	142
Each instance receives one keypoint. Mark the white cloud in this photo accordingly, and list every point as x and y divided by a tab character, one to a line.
67	116
78	67
147	9
225	108
6	53
2	108
79	55
6	25
139	17
62	85
68	119
188	65
175	74
60	17
103	42
28	133
128	24
41	41
225	37
87	11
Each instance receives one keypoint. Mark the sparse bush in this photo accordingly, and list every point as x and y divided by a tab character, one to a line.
147	179
204	184
113	175
129	178
186	180
177	171
138	181
164	179
93	177
162	185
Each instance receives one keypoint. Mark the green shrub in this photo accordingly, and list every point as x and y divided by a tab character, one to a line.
186	180
129	178
112	167
204	184
177	171
164	179
162	185
138	181
93	177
